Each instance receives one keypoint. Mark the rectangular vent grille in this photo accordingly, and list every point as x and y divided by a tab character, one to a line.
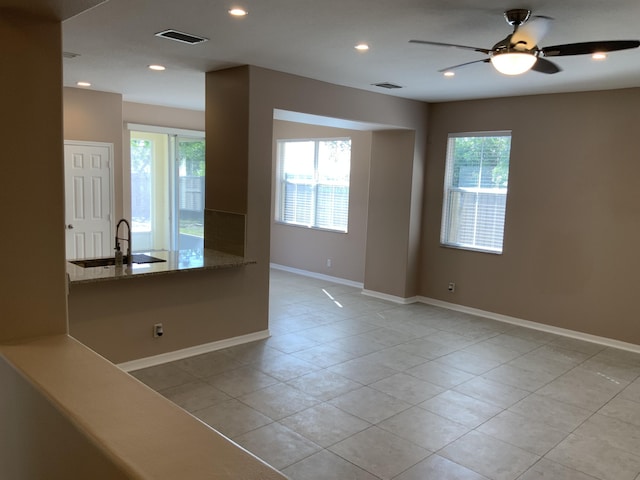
386	85
181	37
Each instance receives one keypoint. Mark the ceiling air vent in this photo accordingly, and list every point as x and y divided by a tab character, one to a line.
181	37
388	85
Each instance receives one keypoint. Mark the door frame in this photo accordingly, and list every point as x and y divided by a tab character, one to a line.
110	148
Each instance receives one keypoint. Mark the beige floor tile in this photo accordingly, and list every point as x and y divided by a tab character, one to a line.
530	435
493	351
612	368
632	392
251	352
163	376
460	408
325	424
208	364
618	434
439	468
324	355
241	381
489	456
596	457
369	404
492	392
291	342
468	362
407	388
357	345
548	470
622	409
515	343
424	428
588	348
518	377
387	337
194	395
380	452
232	418
362	371
583	389
278	401
324	385
440	374
277	445
284	367
325	465
556	414
426	348
395	358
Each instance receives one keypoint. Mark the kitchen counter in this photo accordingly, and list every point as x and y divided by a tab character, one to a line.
176	262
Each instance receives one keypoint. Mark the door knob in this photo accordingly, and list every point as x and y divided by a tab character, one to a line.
69	227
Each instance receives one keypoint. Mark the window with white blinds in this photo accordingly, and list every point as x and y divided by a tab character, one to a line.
475	191
313	183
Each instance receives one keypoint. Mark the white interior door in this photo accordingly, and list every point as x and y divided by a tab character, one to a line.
88	204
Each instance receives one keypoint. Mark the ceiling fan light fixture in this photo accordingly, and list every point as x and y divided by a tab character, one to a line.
513	63
599	56
449	73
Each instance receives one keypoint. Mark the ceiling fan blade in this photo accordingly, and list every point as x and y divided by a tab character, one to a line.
588	48
448	69
531	33
439	44
545	66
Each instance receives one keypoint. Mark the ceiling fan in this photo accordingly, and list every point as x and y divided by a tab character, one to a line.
519	52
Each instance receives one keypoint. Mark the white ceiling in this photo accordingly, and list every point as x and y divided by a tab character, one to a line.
316	39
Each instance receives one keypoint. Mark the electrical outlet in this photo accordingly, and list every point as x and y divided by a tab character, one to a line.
329	262
452	287
158	331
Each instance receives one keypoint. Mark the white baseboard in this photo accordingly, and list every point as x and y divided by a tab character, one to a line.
192	351
609	342
319	276
391	298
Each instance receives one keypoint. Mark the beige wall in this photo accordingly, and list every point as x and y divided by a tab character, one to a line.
39	442
271	90
308	249
391	253
571	236
31	198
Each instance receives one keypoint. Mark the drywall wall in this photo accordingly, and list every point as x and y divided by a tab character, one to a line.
308	249
33	299
116	318
267	90
38	441
572	223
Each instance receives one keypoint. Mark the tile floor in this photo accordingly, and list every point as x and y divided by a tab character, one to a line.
351	387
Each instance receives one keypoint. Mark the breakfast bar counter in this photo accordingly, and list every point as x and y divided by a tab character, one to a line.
166	262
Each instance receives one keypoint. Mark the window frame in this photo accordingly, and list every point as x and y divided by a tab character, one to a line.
446	220
281	182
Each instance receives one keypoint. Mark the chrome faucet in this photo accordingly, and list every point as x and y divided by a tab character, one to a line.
128	239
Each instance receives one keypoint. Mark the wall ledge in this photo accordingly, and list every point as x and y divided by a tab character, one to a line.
143	433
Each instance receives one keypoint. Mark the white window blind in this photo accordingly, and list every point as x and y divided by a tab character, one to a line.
313	183
475	191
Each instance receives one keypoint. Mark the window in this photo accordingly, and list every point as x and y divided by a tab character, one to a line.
475	191
167	189
313	183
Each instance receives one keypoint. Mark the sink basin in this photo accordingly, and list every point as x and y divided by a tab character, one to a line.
106	262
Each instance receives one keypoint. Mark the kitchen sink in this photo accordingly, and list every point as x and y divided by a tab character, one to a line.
106	262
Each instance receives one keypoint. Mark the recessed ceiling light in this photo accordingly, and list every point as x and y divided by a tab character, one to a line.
157	68
599	56
83	84
238	12
363	47
449	73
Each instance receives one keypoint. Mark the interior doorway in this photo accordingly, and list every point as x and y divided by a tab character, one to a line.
88	174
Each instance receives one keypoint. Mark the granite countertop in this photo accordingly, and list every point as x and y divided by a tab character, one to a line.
176	261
